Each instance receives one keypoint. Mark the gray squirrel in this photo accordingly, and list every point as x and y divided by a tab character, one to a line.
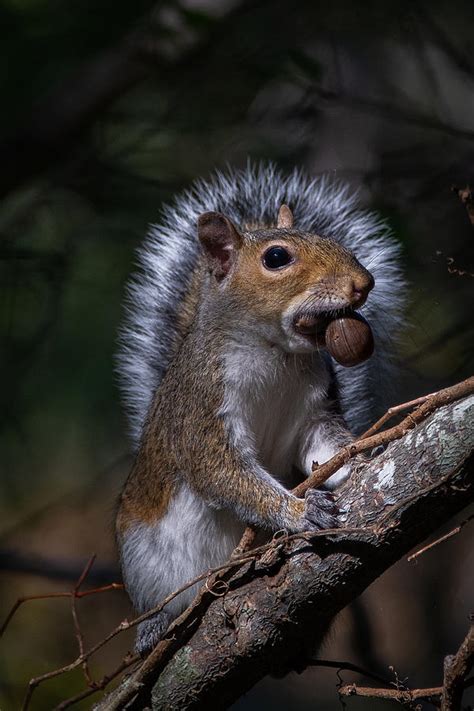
226	393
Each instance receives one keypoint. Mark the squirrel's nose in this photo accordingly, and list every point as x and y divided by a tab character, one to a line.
357	288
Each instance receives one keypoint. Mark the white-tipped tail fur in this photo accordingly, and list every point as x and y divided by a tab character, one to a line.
253	196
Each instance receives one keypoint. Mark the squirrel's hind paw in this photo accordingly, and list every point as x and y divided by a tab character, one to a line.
150	632
321	510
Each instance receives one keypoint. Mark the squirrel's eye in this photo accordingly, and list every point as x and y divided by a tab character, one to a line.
276	257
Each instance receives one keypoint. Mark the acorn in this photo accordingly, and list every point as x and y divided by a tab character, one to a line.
349	339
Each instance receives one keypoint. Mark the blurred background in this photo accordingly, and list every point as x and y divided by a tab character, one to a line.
110	108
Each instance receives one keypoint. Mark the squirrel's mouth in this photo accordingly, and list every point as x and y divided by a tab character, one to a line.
312	326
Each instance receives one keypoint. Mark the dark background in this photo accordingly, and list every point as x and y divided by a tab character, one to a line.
108	109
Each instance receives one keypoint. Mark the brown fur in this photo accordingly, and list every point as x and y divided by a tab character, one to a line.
318	261
184	439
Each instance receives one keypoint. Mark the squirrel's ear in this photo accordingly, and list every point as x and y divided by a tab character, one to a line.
220	240
285	218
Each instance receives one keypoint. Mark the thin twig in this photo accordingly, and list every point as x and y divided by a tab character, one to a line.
128	660
322	472
394	411
441	539
403	695
49	596
347	666
75	618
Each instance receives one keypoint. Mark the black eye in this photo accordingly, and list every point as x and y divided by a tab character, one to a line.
276	257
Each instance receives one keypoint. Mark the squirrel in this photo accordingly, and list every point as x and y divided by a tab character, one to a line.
227	393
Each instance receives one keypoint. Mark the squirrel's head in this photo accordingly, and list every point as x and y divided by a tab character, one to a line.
290	283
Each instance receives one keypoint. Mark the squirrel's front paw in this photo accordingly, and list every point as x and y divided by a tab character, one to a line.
320	509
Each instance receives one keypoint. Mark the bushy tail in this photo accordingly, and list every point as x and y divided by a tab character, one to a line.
253	196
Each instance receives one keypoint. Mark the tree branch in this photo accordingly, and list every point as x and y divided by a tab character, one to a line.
448	697
277	609
456	669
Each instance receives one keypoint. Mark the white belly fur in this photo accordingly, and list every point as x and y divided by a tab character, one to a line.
270	397
189	539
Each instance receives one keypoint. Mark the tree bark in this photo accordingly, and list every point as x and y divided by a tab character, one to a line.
278	609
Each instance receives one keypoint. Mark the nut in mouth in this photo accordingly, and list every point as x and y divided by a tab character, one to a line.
345	334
